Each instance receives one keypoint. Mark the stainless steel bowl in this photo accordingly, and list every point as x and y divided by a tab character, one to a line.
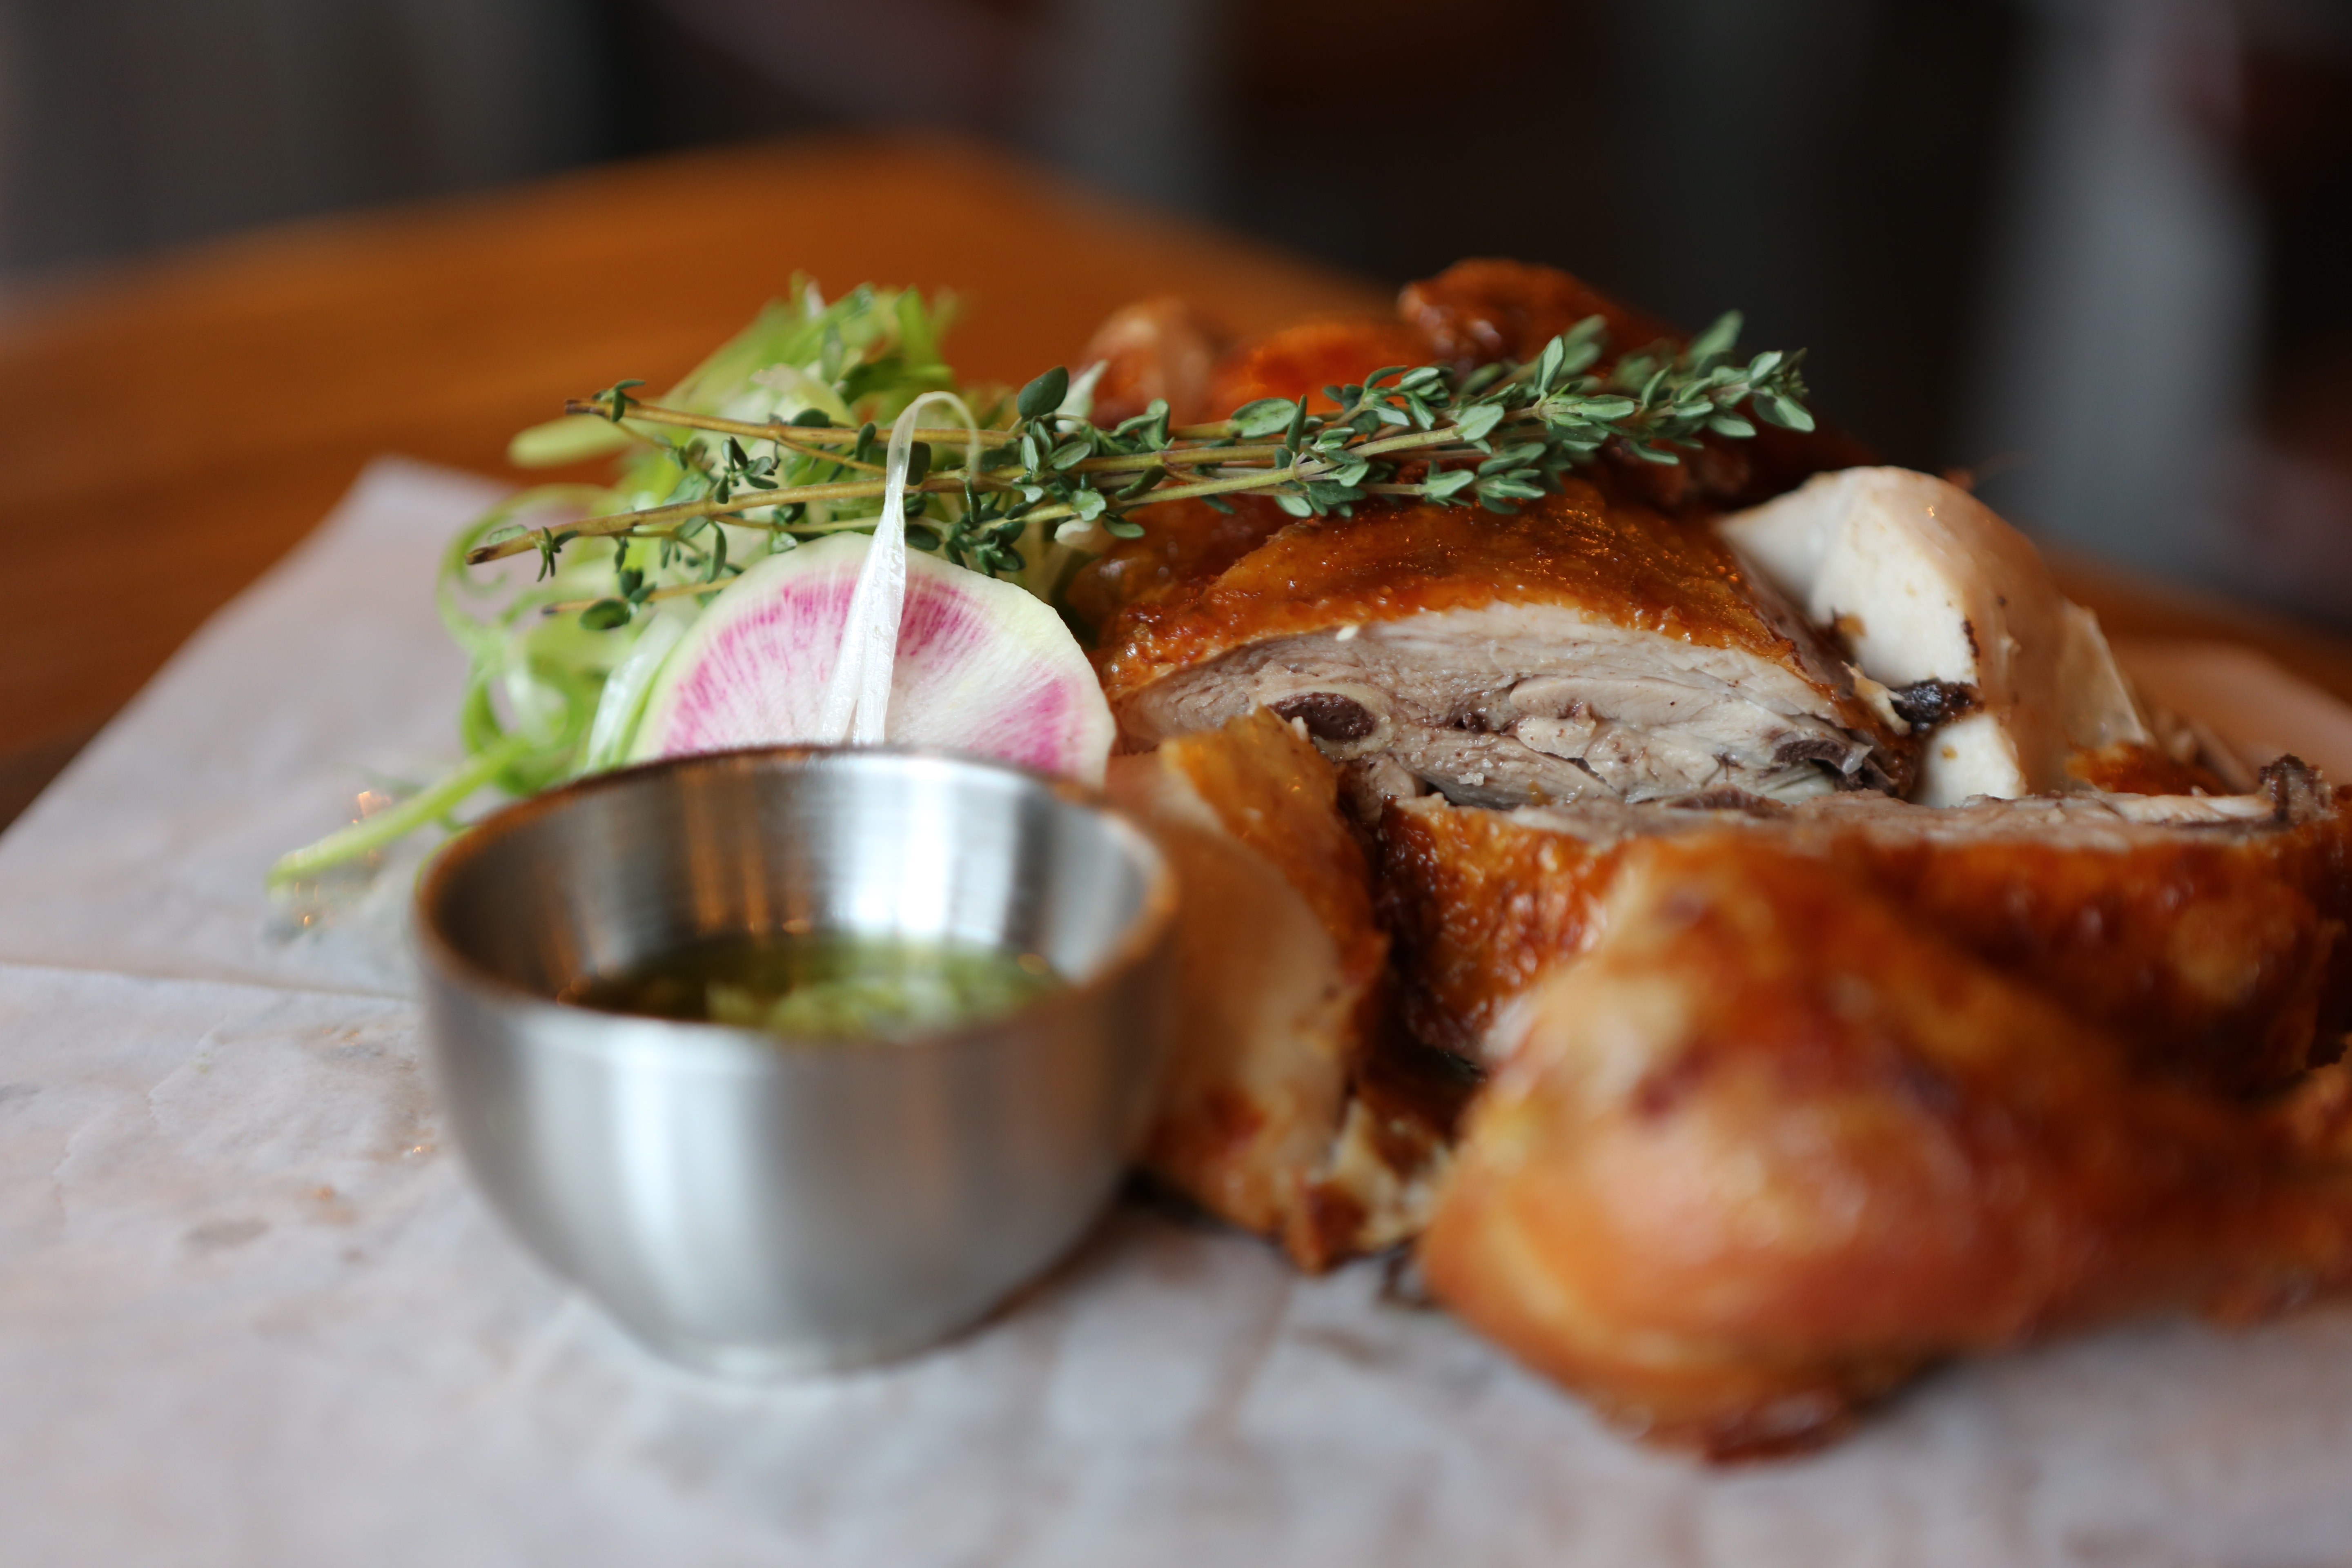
754	1205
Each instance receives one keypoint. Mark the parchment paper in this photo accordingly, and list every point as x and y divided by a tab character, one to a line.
250	1312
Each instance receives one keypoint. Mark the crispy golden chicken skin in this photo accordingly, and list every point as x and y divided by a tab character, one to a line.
1472	313
1602	640
1584	646
2211	934
1301	361
1796	1087
1774	1144
1290	1107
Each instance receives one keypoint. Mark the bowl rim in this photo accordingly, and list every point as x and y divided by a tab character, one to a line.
602	1032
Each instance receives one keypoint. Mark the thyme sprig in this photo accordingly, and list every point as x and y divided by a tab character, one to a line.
1496	437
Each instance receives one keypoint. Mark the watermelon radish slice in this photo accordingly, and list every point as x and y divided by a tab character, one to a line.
980	665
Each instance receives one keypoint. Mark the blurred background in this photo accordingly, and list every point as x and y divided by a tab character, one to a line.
2096	252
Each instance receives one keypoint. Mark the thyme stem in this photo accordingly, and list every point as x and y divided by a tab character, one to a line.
656	522
815	434
1495	437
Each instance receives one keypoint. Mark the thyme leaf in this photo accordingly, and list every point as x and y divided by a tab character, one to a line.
1494	437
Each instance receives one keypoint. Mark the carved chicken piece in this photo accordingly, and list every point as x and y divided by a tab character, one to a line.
1184	544
1591	644
2209	932
1286	1108
1939	600
1772	1146
1472	313
1585	647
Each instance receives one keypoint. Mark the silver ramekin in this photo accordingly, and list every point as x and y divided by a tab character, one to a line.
752	1206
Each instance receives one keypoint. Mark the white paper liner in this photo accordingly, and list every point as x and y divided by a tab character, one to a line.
251	1313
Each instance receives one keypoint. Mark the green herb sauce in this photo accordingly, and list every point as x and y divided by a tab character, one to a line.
824	986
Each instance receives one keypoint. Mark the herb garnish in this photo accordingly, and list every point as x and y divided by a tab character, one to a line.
779	435
1498	435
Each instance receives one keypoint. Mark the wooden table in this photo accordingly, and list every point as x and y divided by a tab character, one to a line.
179	425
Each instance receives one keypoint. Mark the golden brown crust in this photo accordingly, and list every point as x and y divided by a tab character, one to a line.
1289	1106
1773	1145
1474	313
2220	954
1301	361
2219	957
1620	562
1184	545
1482	908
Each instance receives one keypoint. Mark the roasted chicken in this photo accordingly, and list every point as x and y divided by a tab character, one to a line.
1584	646
1594	644
1797	1084
1776	1142
1952	613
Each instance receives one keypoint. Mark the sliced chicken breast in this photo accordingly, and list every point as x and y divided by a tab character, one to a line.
1951	609
1585	647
